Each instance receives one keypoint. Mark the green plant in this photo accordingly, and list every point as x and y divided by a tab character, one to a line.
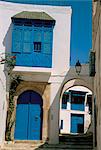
15	81
9	61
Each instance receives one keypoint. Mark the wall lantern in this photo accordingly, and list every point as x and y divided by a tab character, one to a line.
78	67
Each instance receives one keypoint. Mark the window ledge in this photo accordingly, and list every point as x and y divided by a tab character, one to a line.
32	70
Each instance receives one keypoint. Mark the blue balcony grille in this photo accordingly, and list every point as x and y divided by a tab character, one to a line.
32	39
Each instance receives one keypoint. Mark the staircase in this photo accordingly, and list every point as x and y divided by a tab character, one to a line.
67	142
77	142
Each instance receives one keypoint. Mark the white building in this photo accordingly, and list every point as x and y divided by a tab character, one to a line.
43	77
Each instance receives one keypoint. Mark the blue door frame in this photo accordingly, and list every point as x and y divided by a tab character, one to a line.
29	116
77	123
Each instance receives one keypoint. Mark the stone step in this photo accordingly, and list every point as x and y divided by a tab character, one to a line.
28	141
82	140
63	149
58	146
76	138
47	149
67	146
66	143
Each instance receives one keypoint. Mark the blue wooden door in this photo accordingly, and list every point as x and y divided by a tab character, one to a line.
77	123
28	124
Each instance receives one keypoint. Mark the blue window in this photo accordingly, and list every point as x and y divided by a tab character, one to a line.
77	100
32	40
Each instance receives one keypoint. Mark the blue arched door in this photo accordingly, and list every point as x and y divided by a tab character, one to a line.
28	125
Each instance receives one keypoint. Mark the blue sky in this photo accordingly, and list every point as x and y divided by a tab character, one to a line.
81	30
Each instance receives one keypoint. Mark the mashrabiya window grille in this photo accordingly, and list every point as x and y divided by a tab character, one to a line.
32	38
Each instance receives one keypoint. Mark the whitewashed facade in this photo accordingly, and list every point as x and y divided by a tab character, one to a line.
3	104
35	77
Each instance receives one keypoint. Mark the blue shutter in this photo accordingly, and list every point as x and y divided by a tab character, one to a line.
47	41
37	35
17	39
27	40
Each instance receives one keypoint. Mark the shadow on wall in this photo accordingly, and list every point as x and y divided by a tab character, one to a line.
55	106
7	42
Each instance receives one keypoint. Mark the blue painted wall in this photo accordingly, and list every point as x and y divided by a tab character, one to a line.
81	32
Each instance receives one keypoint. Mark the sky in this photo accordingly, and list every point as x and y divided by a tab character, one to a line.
81	27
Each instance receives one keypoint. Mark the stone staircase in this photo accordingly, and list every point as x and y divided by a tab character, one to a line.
77	142
67	142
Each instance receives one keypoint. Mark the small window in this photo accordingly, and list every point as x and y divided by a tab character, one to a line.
61	127
65	99
64	104
37	46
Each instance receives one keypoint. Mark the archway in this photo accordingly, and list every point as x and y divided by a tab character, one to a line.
75	110
29	115
70	88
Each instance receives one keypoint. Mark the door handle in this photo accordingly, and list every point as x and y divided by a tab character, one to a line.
36	117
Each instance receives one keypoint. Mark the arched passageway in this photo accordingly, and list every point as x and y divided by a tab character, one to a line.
75	110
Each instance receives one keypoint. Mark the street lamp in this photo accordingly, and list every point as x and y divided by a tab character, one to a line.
78	67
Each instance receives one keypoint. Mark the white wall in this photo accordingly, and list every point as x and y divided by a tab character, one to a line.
87	122
61	31
3	104
80	88
61	50
66	117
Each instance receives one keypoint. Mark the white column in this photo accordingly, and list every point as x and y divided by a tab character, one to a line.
54	113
